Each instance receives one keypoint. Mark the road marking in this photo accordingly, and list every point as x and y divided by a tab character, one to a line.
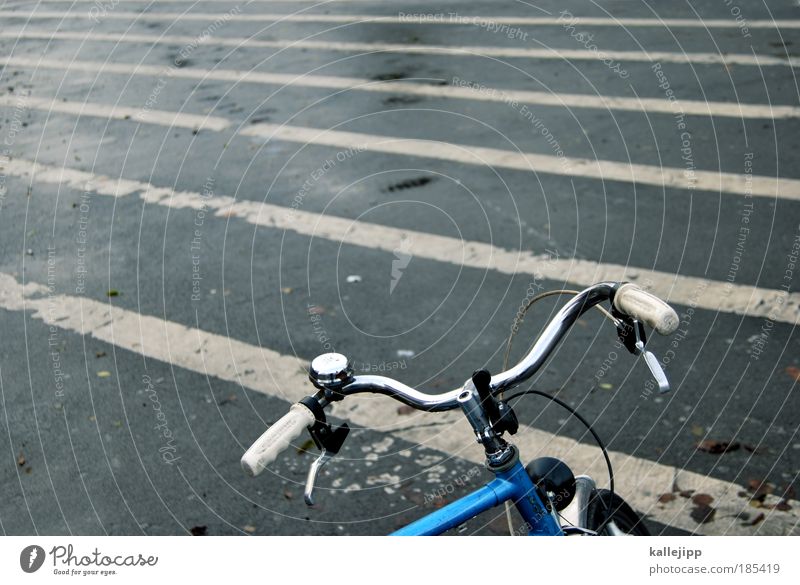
432	18
727	59
605	170
262	370
712	295
116	112
603	102
571	167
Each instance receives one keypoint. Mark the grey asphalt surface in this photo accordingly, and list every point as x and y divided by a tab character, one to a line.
88	462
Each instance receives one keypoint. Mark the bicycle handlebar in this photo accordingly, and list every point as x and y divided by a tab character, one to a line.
277	438
646	307
627	298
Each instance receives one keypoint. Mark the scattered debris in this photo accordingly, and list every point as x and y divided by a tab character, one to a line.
21	459
353	278
99	354
287	290
703	514
250	529
717	447
103	374
686	493
698	431
405	409
199	530
755	520
405	353
288	495
702	499
305	447
409	184
112	292
666	498
794	372
606	386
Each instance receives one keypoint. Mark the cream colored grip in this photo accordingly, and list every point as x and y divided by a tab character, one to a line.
646	307
277	438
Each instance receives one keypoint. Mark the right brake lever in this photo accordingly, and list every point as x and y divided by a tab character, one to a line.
631	333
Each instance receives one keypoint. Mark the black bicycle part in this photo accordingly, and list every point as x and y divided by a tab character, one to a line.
500	414
554	480
605	507
324	436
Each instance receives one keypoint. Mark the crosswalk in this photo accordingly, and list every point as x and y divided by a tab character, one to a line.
264	370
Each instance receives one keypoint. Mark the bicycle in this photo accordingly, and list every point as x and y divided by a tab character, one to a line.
550	499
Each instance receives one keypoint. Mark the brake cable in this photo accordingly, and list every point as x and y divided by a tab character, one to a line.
514	328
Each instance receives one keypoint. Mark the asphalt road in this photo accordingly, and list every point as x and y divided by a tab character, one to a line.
108	428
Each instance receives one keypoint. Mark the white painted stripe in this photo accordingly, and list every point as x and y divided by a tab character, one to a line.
605	170
571	167
685	290
260	369
429	17
549	53
575	100
116	112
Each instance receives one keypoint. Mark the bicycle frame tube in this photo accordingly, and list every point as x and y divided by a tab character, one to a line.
513	484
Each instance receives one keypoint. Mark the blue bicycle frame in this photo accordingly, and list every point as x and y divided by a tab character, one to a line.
514	484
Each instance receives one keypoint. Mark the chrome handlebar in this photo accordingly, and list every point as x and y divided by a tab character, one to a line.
328	373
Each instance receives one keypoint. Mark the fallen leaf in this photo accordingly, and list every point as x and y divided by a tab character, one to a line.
703	514
99	354
782	506
287	494
606	386
760	489
405	409
686	493
717	447
755	520
21	459
305	447
112	293
793	372
199	530
250	529
103	374
702	499
665	498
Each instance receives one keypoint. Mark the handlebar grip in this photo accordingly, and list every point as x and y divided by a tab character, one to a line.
277	438
646	307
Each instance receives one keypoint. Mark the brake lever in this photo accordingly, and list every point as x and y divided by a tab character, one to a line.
329	442
631	333
308	493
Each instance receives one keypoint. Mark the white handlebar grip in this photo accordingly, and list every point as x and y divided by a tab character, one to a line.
277	438
639	304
